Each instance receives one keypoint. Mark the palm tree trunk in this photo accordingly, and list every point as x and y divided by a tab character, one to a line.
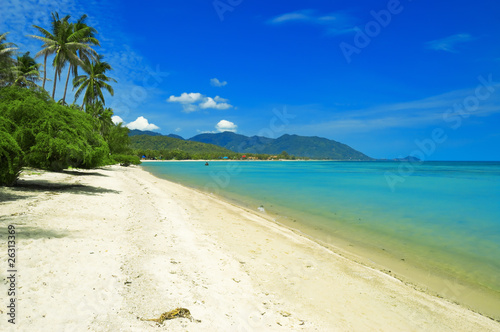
67	80
55	81
44	70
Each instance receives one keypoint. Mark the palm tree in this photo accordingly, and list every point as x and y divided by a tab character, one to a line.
94	82
102	115
7	51
26	71
48	48
88	37
64	42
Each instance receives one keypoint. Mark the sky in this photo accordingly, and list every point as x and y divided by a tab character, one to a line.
388	78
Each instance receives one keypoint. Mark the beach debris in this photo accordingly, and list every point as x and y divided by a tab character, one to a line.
261	209
285	314
176	313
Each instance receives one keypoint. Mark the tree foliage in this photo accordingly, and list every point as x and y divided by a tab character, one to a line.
26	71
94	82
50	136
38	132
64	42
118	139
11	154
7	51
170	148
86	35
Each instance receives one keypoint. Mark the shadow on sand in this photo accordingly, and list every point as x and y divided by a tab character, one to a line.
77	173
29	232
9	196
43	185
28	187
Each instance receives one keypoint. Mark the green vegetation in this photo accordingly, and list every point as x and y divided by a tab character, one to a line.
11	154
7	51
35	131
26	71
161	147
164	147
66	42
51	136
93	82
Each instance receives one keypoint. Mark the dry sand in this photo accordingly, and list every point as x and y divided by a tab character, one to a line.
97	249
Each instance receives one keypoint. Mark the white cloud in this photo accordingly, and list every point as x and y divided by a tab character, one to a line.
208	103
296	16
142	123
192	102
335	23
186	98
178	130
448	44
116	119
220	100
225	125
216	82
211	103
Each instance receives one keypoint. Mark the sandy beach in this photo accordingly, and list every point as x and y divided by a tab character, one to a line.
97	250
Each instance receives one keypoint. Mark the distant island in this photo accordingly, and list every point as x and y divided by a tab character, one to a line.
236	146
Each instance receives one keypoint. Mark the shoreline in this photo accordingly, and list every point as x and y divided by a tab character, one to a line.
435	283
103	247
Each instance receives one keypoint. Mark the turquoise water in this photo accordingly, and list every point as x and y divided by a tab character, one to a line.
439	215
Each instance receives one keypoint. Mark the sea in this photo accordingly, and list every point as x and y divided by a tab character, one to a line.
436	224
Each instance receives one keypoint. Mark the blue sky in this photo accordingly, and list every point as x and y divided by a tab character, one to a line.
389	78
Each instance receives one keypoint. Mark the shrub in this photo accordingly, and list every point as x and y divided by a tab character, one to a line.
11	155
125	160
52	136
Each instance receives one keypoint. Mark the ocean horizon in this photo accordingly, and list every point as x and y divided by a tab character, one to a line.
440	218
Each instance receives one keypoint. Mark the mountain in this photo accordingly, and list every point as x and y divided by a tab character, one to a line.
234	142
160	142
223	143
175	136
300	146
135	132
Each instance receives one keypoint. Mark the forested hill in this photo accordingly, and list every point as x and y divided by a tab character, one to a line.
135	132
178	147
300	146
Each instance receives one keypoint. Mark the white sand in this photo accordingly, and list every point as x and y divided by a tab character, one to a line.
101	249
